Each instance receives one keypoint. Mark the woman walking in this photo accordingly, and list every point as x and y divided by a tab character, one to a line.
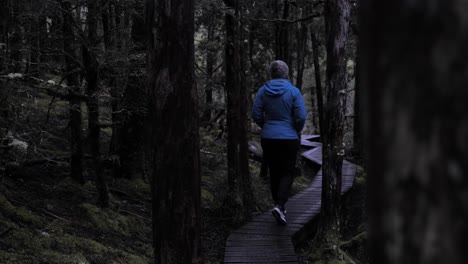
280	111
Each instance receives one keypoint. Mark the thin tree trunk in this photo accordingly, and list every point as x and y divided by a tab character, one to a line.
150	31
301	51
414	65
131	130
210	61
244	109
128	118
318	81
282	33
337	15
357	135
106	27
113	23
76	137
128	25
4	26
174	109
119	116
92	79
238	171
15	49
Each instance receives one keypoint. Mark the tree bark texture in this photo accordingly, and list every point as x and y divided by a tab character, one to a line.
107	26
337	13
4	30
238	167
72	66
318	80
282	35
414	76
357	127
210	63
301	31
92	78
174	108
15	39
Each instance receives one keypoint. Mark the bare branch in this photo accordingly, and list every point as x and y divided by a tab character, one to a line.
312	16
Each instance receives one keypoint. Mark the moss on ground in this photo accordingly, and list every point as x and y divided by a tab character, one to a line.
361	177
32	236
110	221
300	183
20	214
314	255
43	247
139	188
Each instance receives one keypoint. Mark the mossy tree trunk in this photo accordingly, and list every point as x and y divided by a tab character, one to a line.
337	14
414	74
237	148
174	109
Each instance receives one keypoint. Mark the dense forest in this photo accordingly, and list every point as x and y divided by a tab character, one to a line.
126	133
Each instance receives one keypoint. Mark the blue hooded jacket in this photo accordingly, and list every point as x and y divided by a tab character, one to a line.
279	110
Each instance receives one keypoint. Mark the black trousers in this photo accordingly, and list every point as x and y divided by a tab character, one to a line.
280	155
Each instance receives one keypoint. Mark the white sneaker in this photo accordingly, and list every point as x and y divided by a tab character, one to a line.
279	215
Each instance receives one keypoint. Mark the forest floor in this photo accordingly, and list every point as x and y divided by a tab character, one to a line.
49	219
45	217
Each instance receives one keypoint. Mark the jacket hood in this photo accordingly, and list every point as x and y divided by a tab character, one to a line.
277	87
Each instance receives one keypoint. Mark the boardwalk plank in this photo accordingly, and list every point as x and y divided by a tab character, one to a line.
314	155
308	143
264	241
285	250
261	259
266	253
310	137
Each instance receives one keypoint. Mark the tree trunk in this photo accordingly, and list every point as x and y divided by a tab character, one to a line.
150	37
238	170
245	102
301	52
128	25
130	131
129	113
414	65
92	79
106	27
174	109
282	35
113	23
210	61
4	31
337	14
14	45
318	81
72	66
357	135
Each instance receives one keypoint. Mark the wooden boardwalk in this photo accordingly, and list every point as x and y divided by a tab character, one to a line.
264	241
